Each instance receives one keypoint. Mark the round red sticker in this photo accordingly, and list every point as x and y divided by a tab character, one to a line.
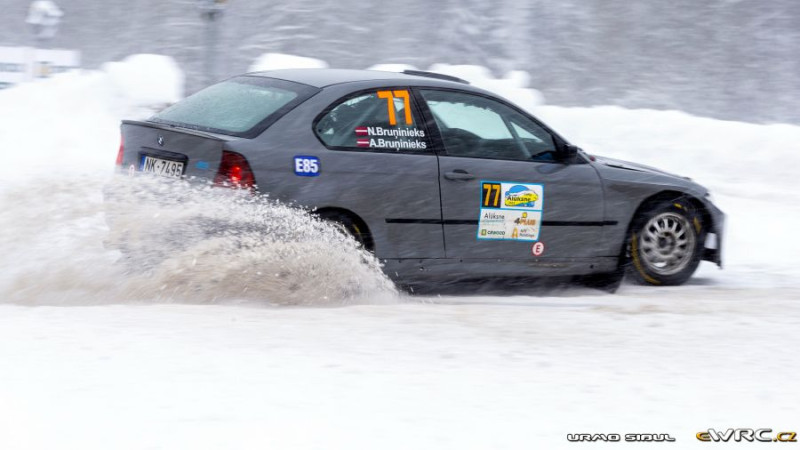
537	249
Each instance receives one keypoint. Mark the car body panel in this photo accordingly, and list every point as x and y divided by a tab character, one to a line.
147	138
627	189
572	213
359	182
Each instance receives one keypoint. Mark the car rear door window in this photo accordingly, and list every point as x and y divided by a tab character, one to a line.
384	119
242	106
478	127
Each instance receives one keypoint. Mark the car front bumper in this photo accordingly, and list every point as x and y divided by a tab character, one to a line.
713	244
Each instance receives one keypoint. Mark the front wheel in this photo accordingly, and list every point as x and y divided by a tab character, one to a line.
666	244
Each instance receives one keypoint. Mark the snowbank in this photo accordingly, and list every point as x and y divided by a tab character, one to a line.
275	61
69	124
750	169
514	86
392	67
146	80
702	148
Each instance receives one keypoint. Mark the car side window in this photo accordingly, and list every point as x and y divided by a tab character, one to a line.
385	119
478	127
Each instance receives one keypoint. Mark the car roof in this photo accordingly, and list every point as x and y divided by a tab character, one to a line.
321	78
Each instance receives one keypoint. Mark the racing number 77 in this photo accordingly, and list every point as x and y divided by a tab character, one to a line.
389	96
491	195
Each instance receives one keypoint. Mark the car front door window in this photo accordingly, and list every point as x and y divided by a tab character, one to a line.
478	127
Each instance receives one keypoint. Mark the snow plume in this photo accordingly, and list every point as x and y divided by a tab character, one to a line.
173	242
70	123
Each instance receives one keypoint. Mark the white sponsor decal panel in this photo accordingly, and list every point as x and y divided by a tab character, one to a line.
510	211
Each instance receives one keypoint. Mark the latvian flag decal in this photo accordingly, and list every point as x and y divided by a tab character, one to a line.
361	131
362	142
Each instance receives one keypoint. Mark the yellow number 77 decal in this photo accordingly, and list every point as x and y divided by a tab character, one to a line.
389	96
489	200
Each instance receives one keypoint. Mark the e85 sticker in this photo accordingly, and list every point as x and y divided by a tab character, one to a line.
306	166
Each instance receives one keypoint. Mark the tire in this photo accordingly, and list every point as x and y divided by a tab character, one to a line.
347	225
666	243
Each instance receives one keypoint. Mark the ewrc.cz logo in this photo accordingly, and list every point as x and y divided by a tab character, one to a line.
613	437
746	434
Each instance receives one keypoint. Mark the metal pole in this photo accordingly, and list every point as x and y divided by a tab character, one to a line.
211	11
211	49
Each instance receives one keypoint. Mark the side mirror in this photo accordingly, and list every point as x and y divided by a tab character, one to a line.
570	153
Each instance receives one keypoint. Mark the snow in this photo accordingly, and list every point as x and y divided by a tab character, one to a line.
392	67
275	61
69	124
95	355
513	86
147	80
44	12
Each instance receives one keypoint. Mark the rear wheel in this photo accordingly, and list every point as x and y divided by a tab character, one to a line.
666	243
349	226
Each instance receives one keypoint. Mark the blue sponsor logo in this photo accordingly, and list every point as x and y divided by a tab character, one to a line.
306	166
521	196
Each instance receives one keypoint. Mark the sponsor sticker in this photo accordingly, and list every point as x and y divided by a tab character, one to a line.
537	249
520	196
306	166
510	211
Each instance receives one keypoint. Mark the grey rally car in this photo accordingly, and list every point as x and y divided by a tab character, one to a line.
440	179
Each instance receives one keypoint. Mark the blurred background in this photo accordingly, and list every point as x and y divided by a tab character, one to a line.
726	59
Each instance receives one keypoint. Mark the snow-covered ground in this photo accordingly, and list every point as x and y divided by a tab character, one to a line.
96	356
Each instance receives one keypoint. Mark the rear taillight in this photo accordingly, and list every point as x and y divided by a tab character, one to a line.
121	152
234	172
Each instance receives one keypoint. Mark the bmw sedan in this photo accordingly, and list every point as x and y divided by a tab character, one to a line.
439	179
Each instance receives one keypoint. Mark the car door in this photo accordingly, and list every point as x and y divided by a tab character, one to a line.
506	190
381	166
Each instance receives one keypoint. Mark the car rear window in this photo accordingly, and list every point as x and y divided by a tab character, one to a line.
243	106
384	119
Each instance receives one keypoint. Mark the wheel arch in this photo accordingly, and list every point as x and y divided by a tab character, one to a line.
331	212
666	195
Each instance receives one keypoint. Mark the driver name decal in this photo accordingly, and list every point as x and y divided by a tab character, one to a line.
392	138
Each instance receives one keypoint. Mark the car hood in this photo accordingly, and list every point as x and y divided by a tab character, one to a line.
627	165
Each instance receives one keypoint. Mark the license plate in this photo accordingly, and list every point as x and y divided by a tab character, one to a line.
162	167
